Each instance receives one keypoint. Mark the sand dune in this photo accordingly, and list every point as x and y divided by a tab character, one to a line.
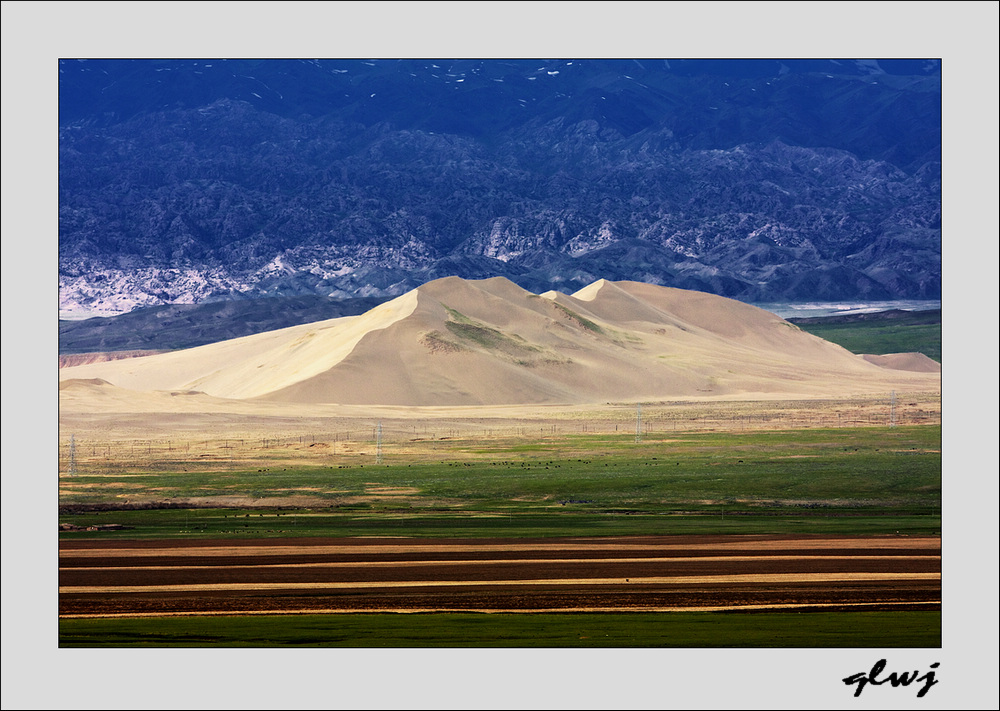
916	362
454	342
253	365
72	359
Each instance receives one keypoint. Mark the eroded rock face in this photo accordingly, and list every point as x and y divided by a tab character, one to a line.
773	182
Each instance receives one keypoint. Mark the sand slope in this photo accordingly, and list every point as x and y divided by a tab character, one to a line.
460	342
916	362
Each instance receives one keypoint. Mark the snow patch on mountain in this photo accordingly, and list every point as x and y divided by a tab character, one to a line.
110	292
585	243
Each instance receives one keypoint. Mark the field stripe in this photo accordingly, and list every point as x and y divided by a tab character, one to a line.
416	547
767	578
492	611
505	561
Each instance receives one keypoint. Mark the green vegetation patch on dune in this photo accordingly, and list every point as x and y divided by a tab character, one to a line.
469	331
574	316
487	337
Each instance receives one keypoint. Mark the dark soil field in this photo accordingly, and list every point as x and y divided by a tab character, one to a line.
655	573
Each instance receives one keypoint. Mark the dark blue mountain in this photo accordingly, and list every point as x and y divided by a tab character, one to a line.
191	180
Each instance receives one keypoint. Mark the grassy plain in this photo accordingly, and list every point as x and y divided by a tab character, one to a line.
860	480
537	630
919	332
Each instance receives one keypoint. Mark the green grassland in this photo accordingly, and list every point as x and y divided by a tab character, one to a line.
537	630
919	332
864	480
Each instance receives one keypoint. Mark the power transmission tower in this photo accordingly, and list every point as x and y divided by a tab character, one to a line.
638	423
892	409
378	443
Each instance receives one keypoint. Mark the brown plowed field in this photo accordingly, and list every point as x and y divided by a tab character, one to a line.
408	575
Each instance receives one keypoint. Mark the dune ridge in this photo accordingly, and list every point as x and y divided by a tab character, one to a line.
457	342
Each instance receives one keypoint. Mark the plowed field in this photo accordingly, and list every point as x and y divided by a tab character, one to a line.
655	573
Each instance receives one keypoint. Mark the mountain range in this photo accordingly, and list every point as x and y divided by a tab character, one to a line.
188	181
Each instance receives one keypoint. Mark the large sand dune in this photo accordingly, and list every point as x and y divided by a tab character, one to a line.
456	342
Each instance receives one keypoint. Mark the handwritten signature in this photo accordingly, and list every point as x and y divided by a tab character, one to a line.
894	678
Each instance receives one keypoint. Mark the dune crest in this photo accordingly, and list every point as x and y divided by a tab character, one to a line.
489	342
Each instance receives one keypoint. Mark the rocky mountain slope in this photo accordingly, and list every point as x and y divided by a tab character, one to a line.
190	181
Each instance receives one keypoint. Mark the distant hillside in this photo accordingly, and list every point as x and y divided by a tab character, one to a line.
899	316
882	332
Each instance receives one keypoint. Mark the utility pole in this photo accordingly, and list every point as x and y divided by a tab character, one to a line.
72	455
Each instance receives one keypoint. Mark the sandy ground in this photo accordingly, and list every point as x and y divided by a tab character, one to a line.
74	359
408	575
117	440
916	362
